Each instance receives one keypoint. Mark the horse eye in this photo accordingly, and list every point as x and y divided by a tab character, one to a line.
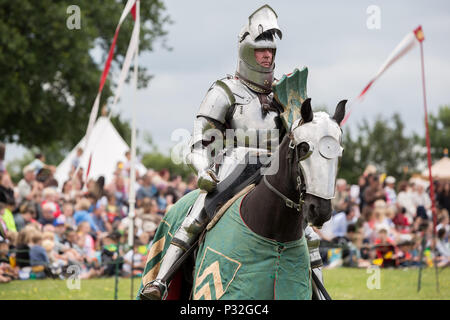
305	150
304	147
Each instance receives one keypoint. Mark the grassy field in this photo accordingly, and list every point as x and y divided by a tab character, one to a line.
341	283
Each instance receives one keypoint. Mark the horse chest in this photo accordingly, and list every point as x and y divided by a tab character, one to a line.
235	263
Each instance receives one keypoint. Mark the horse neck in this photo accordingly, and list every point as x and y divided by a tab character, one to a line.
265	212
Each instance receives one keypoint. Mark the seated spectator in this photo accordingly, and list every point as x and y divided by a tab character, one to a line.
38	163
38	256
443	249
70	241
341	199
81	214
386	249
67	217
76	160
69	192
7	272
86	241
147	190
405	200
401	221
164	174
422	199
100	218
137	258
27	214
191	183
149	217
6	204
4	250
161	197
58	235
391	196
118	188
443	222
48	217
422	212
112	209
374	191
351	253
382	218
341	220
110	255
28	186
405	254
51	197
443	195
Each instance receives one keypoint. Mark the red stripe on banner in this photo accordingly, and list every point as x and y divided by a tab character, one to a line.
366	88
346	117
108	61
360	96
89	167
133	11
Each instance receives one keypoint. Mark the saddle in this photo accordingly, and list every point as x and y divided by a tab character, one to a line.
244	174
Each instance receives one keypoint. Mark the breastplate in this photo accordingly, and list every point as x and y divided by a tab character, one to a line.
248	125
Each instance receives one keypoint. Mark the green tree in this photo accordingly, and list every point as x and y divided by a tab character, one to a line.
48	73
383	144
158	161
154	159
439	126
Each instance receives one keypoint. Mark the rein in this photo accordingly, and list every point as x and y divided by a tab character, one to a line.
300	185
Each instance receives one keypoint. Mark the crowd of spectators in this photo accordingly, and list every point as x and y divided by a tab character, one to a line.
48	230
386	222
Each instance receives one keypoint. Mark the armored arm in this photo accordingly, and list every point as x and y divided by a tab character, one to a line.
212	115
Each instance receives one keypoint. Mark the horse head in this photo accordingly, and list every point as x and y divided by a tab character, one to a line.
316	142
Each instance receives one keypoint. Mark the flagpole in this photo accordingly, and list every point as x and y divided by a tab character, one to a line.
430	176
132	193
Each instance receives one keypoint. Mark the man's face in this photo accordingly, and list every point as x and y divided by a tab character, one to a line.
47	214
374	182
72	236
382	235
27	216
264	57
29	176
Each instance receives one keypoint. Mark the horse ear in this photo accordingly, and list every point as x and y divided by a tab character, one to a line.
306	111
340	112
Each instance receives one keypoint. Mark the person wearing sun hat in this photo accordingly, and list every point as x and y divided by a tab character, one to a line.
391	195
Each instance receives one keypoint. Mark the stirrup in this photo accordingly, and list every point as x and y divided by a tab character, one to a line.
158	285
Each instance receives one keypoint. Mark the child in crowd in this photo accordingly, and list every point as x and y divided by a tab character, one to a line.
7	272
110	255
66	217
137	258
38	256
386	248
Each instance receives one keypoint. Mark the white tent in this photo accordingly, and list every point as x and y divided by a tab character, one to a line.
107	148
440	169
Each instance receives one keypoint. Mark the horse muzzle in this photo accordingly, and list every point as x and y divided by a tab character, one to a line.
317	210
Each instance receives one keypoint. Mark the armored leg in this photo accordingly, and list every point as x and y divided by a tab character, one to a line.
183	239
313	241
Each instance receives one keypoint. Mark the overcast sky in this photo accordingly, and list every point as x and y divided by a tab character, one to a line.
331	38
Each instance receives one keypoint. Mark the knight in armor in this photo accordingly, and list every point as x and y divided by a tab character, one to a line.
241	103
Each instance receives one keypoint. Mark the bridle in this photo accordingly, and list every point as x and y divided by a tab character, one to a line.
293	153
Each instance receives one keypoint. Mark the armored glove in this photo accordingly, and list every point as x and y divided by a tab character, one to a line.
207	180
